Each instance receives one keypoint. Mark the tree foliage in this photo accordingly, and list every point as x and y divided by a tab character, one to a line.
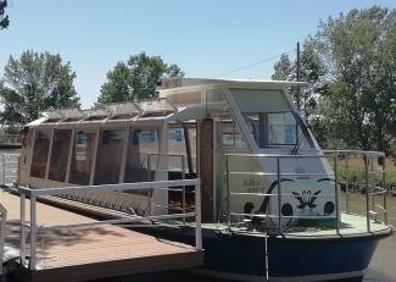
353	58
136	79
33	83
4	19
311	71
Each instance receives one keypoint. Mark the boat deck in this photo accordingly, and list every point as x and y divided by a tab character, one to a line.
70	254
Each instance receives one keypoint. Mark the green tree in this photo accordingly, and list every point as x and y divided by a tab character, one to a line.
136	79
351	64
4	19
33	83
359	53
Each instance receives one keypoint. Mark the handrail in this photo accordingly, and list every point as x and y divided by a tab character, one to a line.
33	194
371	189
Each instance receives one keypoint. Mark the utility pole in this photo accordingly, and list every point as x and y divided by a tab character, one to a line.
298	76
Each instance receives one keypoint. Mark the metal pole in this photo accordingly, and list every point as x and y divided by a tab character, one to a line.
266	257
23	231
184	189
385	198
150	193
198	231
347	185
367	193
228	193
298	76
372	180
336	199
279	196
33	232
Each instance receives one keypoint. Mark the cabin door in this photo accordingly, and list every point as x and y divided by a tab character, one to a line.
206	141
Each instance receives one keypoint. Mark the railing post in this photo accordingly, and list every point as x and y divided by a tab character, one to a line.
22	254
336	196
33	232
367	192
346	184
150	192
228	192
198	231
384	191
372	179
184	190
279	196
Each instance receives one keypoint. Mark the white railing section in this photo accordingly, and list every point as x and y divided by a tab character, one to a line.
9	163
32	227
371	187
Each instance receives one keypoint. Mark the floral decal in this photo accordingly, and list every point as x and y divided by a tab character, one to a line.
307	198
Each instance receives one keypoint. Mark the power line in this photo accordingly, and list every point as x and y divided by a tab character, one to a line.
255	63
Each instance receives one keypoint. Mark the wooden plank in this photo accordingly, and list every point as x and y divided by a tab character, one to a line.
67	254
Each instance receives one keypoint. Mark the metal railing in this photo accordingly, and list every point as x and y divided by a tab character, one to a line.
33	228
372	189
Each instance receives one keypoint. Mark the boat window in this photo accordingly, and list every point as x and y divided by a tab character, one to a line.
60	154
109	155
82	157
141	142
177	146
269	129
40	153
282	128
230	134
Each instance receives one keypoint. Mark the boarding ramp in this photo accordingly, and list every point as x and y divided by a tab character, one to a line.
58	245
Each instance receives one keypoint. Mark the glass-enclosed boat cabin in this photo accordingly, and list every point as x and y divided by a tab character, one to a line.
192	128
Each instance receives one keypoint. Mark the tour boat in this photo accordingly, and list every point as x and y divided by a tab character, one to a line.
272	203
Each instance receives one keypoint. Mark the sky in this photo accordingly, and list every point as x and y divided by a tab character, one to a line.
206	38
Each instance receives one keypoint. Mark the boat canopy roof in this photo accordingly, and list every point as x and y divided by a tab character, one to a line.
123	111
197	94
228	82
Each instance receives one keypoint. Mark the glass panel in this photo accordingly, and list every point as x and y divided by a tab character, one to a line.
141	142
82	157
271	128
282	128
40	153
108	160
60	154
230	134
177	146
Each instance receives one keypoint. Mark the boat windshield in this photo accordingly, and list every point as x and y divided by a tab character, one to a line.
268	116
271	129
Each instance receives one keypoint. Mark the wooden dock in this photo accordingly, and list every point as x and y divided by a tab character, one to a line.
69	254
